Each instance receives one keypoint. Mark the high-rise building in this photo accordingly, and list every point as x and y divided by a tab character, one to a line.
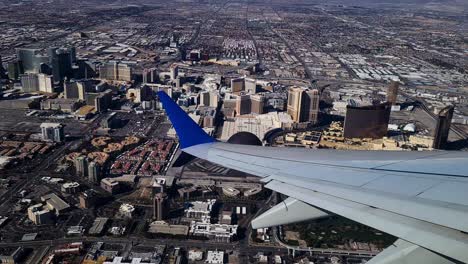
94	171
83	69
392	92
103	101
40	214
237	85
31	59
243	105
15	69
140	94
367	121
45	69
81	166
174	72
53	132
116	71
46	83
72	52
61	61
77	89
442	130
29	82
150	75
257	104
303	104
160	206
250	86
209	99
88	198
2	69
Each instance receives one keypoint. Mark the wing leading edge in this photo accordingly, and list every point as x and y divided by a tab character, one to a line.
419	197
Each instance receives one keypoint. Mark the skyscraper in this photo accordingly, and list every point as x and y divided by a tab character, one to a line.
243	105
45	83
15	69
442	130
31	59
303	104
116	71
160	207
250	86
77	89
392	92
209	99
93	172
174	72
2	69
150	75
52	132
237	85
81	166
367	121
29	82
258	104
61	64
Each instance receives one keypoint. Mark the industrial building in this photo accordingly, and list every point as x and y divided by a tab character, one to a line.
217	232
98	226
55	203
161	227
215	257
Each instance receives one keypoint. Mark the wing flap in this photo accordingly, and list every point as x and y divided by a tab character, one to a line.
415	207
403	252
445	241
287	212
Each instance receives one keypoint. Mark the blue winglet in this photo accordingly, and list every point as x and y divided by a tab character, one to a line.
189	132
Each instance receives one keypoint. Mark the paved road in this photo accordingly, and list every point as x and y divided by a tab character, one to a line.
151	242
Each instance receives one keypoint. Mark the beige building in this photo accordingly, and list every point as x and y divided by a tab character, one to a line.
115	71
303	104
46	83
250	85
237	85
422	141
209	99
258	125
257	104
243	105
39	214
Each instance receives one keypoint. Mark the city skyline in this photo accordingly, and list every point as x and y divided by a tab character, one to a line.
229	131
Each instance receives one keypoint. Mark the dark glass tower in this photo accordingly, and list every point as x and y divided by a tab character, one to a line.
441	133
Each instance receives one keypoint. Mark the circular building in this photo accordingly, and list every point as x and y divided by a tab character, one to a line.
245	138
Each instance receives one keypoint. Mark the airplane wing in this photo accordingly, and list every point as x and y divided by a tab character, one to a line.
419	197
